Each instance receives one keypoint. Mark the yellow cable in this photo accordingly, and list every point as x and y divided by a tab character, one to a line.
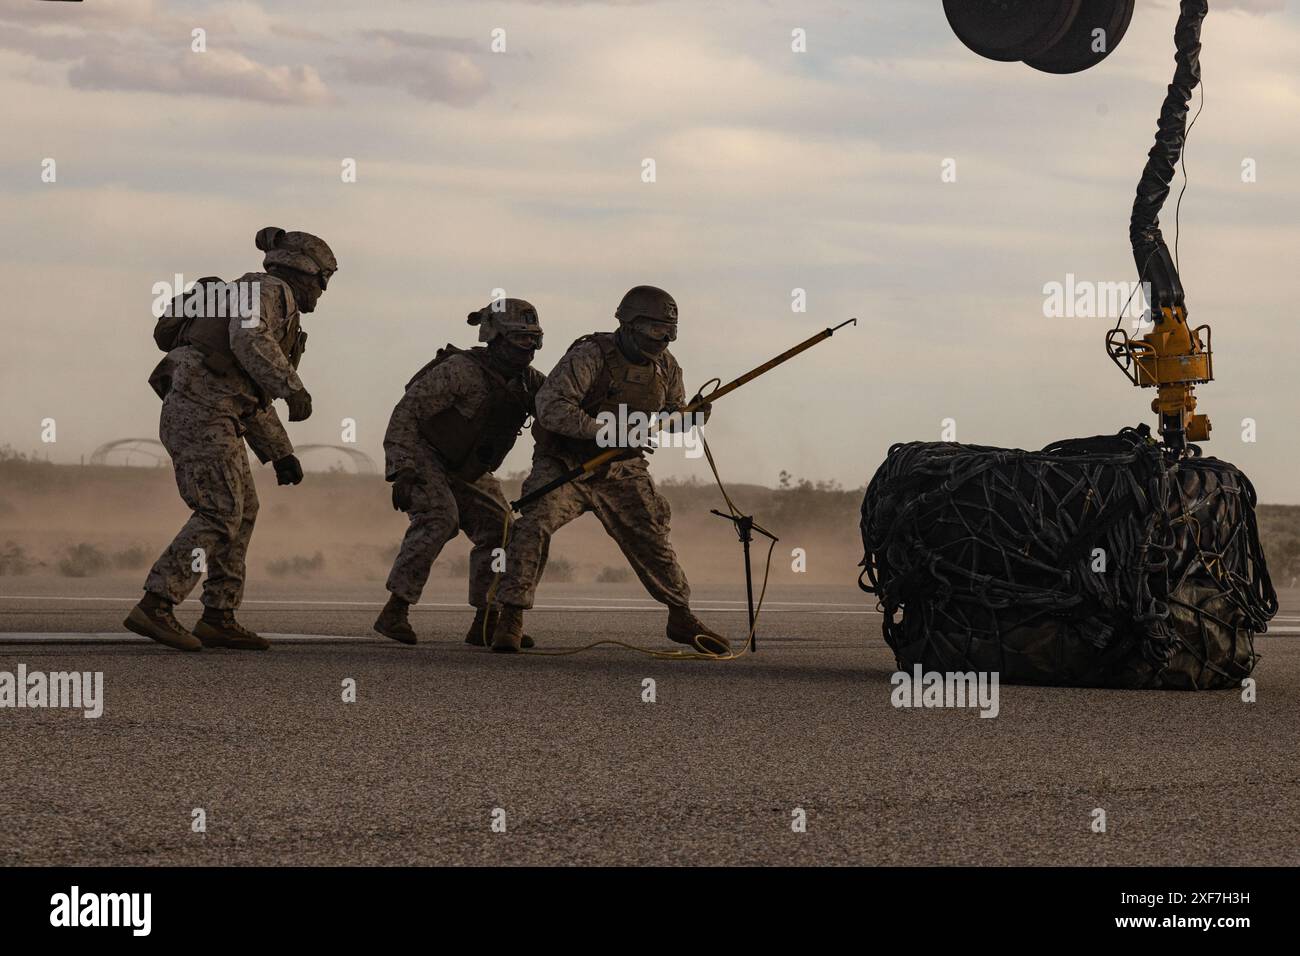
695	655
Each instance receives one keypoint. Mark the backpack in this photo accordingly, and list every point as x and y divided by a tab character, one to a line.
170	330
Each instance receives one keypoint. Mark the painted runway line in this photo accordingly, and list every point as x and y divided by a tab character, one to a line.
461	606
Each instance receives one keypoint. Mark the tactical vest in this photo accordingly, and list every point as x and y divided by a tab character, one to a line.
471	447
620	382
211	334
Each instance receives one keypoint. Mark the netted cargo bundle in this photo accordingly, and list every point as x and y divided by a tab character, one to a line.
1095	562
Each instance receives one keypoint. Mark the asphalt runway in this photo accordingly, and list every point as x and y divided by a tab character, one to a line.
442	738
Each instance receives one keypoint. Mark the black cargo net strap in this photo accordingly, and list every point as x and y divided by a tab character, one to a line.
1102	544
1149	250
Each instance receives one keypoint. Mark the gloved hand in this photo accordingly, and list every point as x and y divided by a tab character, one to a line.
680	418
288	470
627	454
701	414
299	403
639	442
404	483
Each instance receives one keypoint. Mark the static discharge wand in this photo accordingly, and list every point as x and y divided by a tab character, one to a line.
599	461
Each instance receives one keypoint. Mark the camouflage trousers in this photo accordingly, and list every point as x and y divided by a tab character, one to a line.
624	498
213	477
442	507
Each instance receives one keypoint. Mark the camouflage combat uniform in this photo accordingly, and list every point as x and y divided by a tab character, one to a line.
593	376
457	400
206	418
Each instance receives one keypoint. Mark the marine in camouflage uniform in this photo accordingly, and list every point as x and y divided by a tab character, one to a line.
231	349
459	418
632	368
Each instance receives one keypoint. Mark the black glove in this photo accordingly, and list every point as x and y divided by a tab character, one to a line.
704	410
404	483
627	454
299	403
288	470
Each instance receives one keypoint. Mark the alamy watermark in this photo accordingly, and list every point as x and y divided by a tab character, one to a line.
75	690
1084	299
947	689
633	429
213	299
75	908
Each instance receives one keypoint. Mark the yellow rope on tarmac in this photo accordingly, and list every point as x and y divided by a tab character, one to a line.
699	654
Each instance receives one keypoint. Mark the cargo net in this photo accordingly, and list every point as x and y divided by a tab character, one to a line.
1097	562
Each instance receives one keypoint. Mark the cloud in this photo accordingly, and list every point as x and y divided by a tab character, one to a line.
437	68
584	3
105	13
242	17
1251	6
131	45
409	39
215	73
55	46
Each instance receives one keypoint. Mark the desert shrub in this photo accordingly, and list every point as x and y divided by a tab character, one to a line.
83	561
374	555
131	558
799	503
558	570
1279	532
296	564
1282	550
612	575
25	473
13	560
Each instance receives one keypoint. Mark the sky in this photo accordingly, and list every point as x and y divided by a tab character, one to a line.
522	169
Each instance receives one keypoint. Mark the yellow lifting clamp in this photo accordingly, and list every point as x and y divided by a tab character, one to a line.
1173	358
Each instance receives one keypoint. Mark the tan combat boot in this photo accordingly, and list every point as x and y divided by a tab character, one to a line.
508	635
485	623
153	618
392	621
685	628
218	628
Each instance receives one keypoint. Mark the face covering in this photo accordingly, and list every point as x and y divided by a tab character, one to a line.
306	288
510	354
651	338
